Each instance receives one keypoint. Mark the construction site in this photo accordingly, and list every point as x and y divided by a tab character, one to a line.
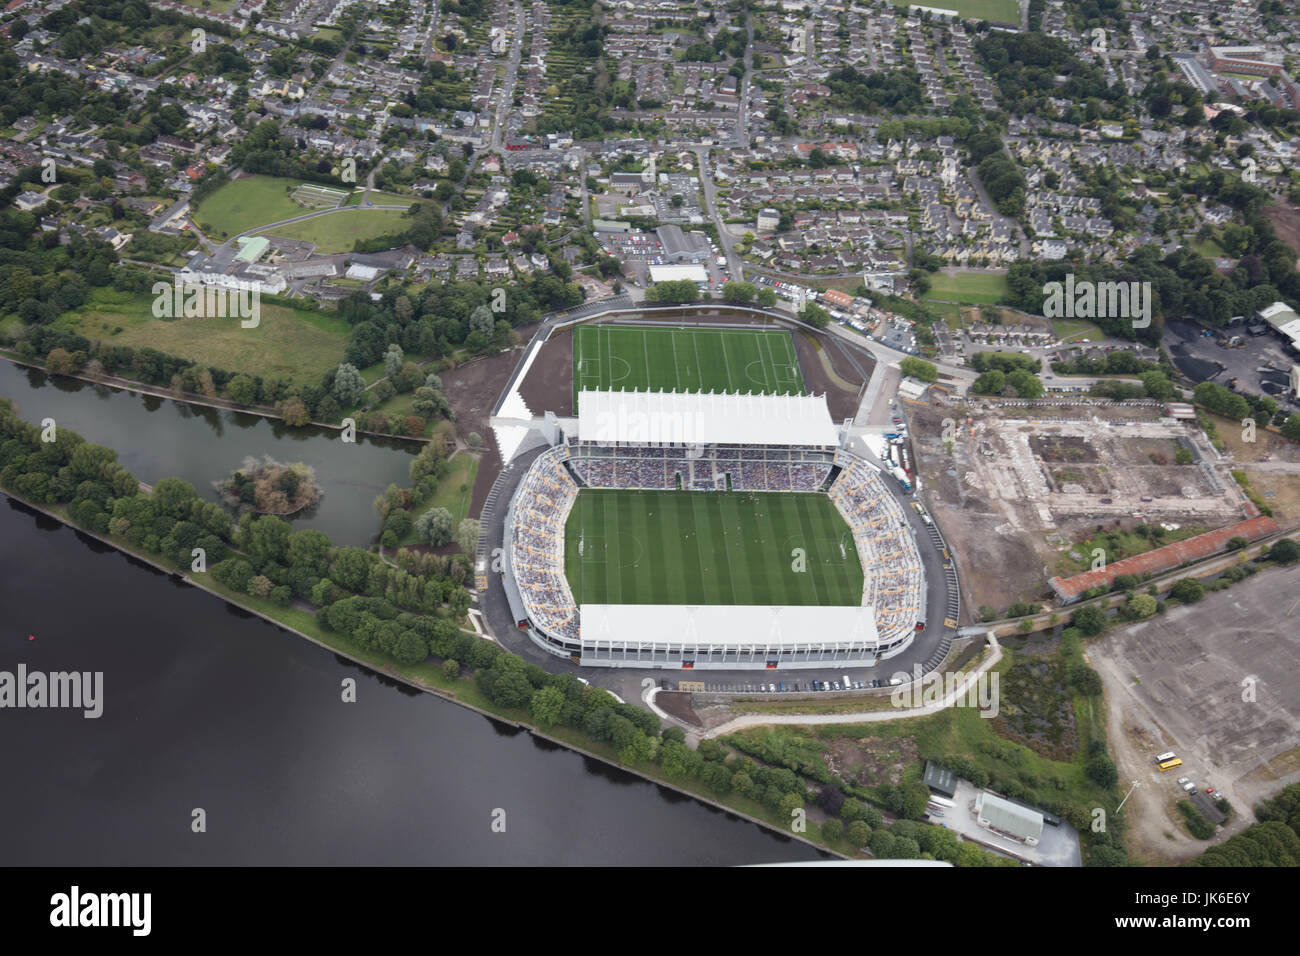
1022	490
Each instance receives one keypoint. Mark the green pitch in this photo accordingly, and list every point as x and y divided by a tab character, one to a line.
681	360
675	547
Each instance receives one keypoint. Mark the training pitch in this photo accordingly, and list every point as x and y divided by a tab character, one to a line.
682	360
736	547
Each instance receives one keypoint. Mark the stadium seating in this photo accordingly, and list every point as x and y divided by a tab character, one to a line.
545	498
891	566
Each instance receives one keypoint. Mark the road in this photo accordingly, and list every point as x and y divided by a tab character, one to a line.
735	265
506	94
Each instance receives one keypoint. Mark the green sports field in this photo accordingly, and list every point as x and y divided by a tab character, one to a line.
675	547
680	360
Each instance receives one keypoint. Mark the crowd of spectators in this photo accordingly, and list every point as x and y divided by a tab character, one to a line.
545	497
891	566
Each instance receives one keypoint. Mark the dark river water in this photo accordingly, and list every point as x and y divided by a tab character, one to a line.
158	438
205	707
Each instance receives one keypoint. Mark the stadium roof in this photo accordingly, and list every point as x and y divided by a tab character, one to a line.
705	418
727	624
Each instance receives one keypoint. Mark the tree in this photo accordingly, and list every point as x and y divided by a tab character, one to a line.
832	830
739	293
467	533
1085	680
481	321
294	412
858	833
450	669
393	360
348	385
1140	606
1285	551
547	706
1090	619
434	526
410	648
60	362
260	586
242	390
766	297
919	368
815	315
1187	590
990	383
1101	771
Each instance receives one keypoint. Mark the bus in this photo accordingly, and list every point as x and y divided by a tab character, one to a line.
1169	764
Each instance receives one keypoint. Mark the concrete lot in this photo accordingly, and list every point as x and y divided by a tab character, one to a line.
1177	682
1201	358
1058	846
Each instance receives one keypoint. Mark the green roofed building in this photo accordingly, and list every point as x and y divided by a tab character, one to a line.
1009	819
940	779
251	248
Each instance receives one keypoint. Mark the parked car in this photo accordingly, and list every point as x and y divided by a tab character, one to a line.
1189	787
1182	781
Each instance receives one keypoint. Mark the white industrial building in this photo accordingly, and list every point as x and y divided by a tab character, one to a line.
675	273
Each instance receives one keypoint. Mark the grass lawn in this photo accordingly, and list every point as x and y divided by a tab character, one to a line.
1002	11
214	6
295	343
1076	330
464	468
980	288
1209	248
339	231
607	356
248	203
671	547
962	731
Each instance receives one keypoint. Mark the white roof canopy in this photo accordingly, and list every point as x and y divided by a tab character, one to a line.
727	624
697	418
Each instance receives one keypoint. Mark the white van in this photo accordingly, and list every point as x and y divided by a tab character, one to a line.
1161	758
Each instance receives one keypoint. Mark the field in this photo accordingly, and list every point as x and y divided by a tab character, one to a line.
980	288
339	231
247	203
298	344
315	196
999	11
671	547
680	360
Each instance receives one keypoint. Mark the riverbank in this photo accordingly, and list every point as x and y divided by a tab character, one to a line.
190	398
426	676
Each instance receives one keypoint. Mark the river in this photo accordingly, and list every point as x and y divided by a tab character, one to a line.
158	438
208	708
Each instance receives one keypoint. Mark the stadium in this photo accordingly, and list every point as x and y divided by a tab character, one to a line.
706	527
